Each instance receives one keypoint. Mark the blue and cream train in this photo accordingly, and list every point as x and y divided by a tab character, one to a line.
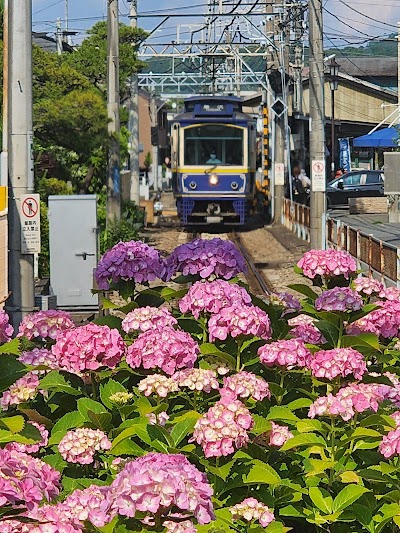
213	160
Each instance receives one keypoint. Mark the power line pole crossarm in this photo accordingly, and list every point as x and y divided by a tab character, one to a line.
134	123
113	103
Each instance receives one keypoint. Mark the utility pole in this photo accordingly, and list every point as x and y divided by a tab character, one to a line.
154	139
113	177
317	129
134	123
59	37
4	153
394	204
20	161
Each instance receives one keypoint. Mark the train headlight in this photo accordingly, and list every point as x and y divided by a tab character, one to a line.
234	185
213	179
193	185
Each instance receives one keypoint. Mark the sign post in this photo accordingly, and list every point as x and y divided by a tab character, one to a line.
318	177
30	224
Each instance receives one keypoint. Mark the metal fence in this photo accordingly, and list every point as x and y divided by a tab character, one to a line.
375	257
296	217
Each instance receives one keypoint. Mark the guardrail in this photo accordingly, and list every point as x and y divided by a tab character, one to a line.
296	217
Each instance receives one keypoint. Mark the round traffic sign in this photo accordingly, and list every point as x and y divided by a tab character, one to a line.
30	207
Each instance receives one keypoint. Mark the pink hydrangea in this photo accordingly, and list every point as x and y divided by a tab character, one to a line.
352	399
45	519
197	379
39	357
185	526
6	329
167	349
88	348
146	318
31	448
245	385
223	428
239	320
391	293
159	419
327	264
368	286
390	444
81	444
134	260
384	322
206	257
288	353
286	300
211	297
25	480
396	417
45	324
23	390
158	384
157	482
279	435
339	299
303	328
330	364
88	505
251	510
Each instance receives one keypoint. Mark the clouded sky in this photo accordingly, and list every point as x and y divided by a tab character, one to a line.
375	17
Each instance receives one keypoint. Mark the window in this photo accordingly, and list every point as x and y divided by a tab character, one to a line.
214	144
352	179
373	178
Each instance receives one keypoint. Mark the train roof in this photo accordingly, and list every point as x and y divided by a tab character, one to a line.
212	109
205	98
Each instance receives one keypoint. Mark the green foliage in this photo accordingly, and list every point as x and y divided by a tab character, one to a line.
127	229
44	256
52	186
148	160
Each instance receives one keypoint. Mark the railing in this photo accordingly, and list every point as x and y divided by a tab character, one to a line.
379	258
296	217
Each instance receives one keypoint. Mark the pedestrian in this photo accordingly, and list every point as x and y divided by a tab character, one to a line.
299	192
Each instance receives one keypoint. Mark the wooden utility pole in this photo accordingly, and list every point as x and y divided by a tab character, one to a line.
317	127
18	109
113	102
134	123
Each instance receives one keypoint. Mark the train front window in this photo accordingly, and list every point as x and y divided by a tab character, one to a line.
214	144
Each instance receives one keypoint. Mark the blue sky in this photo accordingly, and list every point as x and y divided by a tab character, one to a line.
352	26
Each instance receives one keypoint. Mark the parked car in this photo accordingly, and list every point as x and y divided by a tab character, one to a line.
356	184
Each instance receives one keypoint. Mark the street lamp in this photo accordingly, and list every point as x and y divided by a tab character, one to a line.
333	82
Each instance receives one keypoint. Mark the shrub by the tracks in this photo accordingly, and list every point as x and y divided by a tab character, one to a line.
288	420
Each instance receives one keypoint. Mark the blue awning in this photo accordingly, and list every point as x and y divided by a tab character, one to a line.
385	138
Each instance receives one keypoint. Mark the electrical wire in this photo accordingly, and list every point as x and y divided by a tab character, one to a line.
366	16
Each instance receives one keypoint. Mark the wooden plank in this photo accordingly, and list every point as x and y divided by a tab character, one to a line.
361	206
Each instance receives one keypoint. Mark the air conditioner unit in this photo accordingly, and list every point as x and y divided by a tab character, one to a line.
392	172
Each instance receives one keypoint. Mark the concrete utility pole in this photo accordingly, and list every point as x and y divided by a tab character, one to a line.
134	123
20	161
317	129
59	37
113	102
4	153
154	140
394	204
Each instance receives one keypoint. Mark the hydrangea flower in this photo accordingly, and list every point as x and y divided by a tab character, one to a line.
384	322
45	324
159	419
391	293
121	398
157	482
288	353
338	362
47	519
158	384
39	357
185	526
286	300
303	328
251	510
211	297
223	428
31	448
396	417
197	379
26	480
88	348
327	264
129	261
87	504
145	318
368	286
206	257
239	320
6	329
167	349
245	385
81	444
23	390
339	299
390	444
279	435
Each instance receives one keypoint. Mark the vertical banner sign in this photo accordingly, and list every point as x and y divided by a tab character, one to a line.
318	176
345	159
30	224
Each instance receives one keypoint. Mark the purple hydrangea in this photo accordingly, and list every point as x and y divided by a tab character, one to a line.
339	299
6	329
213	257
286	300
129	261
